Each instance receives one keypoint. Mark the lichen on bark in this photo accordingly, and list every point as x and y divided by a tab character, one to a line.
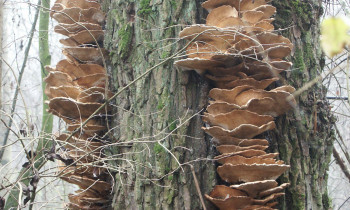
157	105
305	138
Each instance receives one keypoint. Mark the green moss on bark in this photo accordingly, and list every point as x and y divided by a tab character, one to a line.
125	34
145	8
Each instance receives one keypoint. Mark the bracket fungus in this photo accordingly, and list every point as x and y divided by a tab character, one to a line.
77	88
240	54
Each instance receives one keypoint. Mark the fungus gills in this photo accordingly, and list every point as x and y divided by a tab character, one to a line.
237	50
76	88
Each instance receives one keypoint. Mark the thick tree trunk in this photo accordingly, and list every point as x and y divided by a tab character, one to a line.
137	35
154	111
305	138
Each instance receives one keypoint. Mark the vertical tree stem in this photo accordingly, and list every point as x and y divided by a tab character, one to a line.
13	199
45	59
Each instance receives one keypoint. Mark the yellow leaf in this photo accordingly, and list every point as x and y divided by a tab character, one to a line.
334	35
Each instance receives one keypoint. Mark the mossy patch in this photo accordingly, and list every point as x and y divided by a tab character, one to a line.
172	126
170	196
158	149
145	8
125	34
163	100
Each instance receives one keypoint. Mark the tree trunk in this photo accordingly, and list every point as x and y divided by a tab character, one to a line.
161	111
305	138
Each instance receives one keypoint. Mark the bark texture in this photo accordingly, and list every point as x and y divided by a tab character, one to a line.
139	35
305	138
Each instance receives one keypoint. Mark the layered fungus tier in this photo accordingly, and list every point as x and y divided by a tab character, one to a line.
239	52
77	89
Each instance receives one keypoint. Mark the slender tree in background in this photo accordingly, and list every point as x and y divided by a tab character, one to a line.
157	121
47	119
45	59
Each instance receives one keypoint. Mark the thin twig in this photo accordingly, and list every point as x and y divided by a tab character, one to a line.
342	145
340	162
197	187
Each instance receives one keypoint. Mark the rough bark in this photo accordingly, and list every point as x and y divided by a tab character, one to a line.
304	138
137	32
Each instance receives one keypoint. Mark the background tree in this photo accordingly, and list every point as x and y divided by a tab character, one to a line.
153	114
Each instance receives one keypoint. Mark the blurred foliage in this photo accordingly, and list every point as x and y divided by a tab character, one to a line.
335	35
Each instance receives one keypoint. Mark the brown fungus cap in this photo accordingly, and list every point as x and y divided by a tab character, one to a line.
218	14
246	81
199	65
203	50
254	188
69	108
268	10
226	198
274	102
94	94
91	130
238	160
86	54
92	80
249	173
62	4
56	79
89	170
246	153
252	17
87	198
81	157
75	144
276	189
225	140
273	52
258	70
240	5
64	91
257	207
75	70
228	78
233	148
241	118
267	199
101	187
264	40
74	206
221	107
81	143
71	29
214	34
246	124
243	131
84	37
84	95
76	14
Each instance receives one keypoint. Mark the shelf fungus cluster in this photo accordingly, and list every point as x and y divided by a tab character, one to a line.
239	52
77	88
